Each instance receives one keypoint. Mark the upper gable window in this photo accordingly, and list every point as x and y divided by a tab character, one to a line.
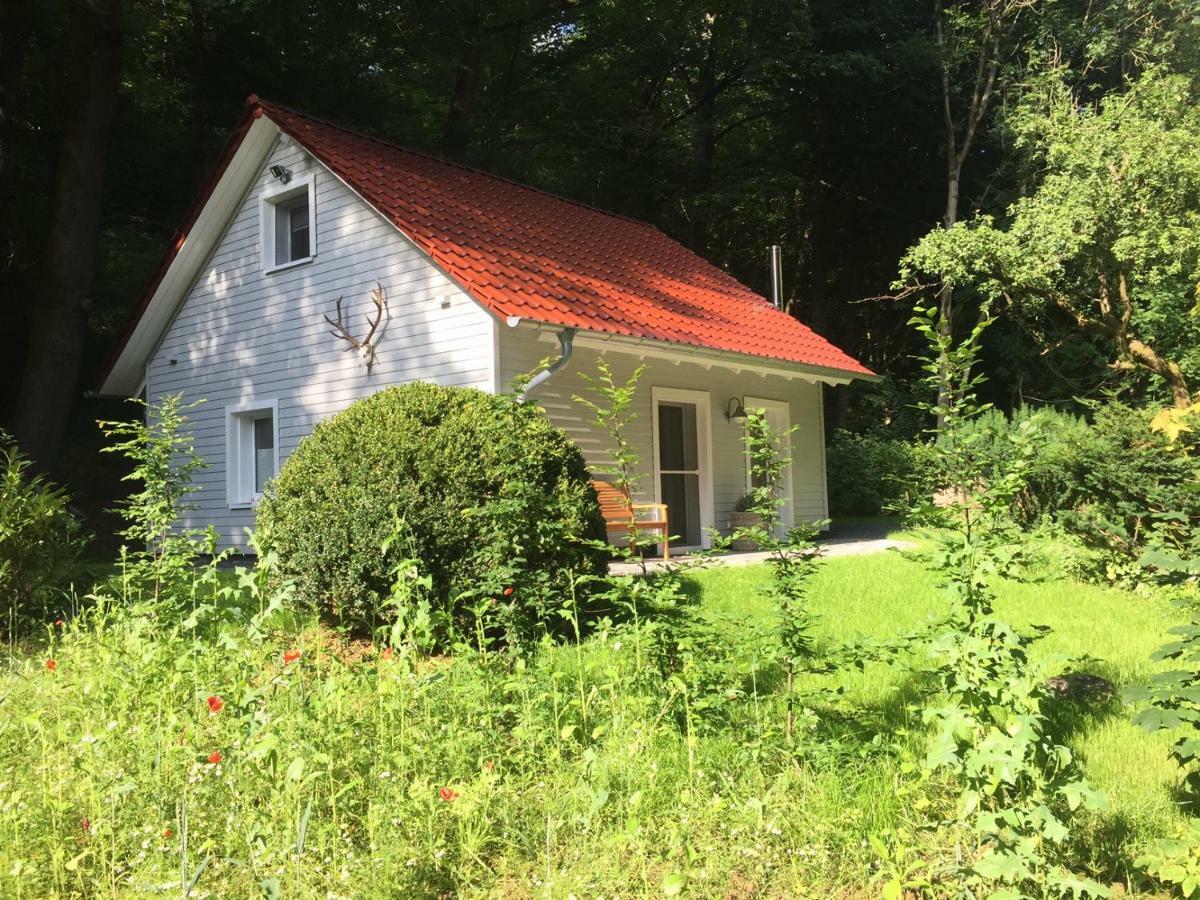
289	236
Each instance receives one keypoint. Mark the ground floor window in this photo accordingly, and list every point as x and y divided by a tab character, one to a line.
252	450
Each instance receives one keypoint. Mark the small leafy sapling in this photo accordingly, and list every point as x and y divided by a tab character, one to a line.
793	559
415	624
659	590
612	412
1172	697
1019	786
164	459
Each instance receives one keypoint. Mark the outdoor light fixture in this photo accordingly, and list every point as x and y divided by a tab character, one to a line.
283	173
734	409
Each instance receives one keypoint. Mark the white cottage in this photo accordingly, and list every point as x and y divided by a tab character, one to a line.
483	279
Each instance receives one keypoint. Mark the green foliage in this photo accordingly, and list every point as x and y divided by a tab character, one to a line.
1019	786
792	559
159	555
1132	495
654	600
1123	492
1107	239
493	499
1173	698
40	542
870	474
333	763
1054	469
1176	860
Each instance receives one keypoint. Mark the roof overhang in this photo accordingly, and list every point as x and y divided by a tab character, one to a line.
706	357
190	249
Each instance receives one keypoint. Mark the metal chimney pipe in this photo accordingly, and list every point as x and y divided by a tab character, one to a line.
776	272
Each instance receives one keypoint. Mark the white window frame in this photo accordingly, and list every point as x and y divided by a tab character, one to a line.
787	513
703	405
239	435
269	203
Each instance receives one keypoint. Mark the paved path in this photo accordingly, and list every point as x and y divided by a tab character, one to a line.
830	547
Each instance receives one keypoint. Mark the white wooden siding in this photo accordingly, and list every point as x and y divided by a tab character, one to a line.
242	335
521	350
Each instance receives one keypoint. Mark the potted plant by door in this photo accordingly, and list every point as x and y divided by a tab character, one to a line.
740	519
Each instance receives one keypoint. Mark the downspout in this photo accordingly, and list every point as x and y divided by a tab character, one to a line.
566	339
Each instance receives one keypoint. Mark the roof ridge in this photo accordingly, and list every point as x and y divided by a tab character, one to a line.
266	105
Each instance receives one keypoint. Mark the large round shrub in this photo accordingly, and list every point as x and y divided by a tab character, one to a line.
490	499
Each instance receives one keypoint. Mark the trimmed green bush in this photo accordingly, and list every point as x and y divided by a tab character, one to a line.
482	492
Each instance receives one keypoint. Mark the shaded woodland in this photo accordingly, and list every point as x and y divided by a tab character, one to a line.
844	131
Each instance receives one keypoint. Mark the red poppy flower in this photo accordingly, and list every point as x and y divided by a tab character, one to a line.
387	653
291	656
51	665
215	704
168	833
508	592
58	623
448	794
215	757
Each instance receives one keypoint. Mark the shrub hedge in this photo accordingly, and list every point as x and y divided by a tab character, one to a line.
40	542
869	475
489	498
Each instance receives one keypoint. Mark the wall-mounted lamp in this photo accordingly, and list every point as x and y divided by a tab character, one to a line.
283	173
734	409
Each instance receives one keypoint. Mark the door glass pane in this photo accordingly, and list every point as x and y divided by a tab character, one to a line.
264	452
678	450
679	468
681	493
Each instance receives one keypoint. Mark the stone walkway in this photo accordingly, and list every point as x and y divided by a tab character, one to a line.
830	547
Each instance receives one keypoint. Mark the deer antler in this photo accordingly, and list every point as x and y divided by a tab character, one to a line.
365	347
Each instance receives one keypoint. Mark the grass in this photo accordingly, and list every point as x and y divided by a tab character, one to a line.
347	773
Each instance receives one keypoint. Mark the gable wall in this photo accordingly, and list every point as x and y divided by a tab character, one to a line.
521	351
242	335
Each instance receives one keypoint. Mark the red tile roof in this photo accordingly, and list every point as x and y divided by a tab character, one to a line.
523	252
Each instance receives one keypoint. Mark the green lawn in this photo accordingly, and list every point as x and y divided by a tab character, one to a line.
883	595
344	773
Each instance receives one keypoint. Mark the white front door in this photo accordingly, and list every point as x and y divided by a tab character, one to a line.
779	420
682	473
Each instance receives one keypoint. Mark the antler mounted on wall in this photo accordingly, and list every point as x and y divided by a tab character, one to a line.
365	347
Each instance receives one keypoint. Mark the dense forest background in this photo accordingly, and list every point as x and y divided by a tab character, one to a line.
844	130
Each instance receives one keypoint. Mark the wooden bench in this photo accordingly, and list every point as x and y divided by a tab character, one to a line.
620	514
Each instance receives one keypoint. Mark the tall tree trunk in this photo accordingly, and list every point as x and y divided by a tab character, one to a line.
704	149
59	319
946	294
457	135
960	137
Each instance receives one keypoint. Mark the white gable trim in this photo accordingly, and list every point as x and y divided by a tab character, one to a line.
128	370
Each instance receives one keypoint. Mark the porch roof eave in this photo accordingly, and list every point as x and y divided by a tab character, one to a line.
693	353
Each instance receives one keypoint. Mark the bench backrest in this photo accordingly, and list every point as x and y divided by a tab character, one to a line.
614	504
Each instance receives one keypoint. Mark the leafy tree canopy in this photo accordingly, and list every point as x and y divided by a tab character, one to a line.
1107	236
